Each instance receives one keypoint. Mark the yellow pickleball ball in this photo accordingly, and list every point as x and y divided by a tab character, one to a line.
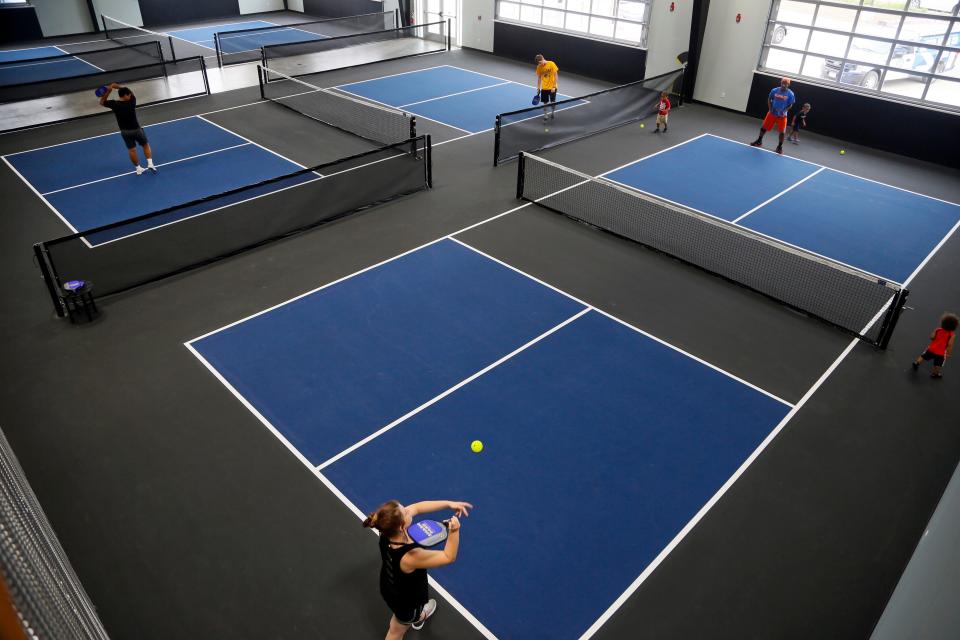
642	125
842	152
476	446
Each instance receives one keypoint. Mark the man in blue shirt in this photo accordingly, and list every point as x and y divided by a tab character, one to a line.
778	104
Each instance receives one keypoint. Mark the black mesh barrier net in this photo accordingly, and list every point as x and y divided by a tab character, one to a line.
132	252
546	126
243	45
380	124
80	71
854	301
127	34
315	56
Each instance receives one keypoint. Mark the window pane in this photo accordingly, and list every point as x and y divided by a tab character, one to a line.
873	23
629	31
553	18
604	8
629	10
509	11
535	2
530	14
601	27
933	7
576	22
829	44
903	84
796	12
945	92
583	6
924	30
813	66
789	37
836	18
554	4
906	56
433	6
785	61
949	64
871	51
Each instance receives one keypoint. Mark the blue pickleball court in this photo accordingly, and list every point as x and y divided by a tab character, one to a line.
195	159
22	66
466	100
874	227
203	36
601	442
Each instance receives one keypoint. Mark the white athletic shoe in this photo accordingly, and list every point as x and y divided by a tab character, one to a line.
428	610
139	170
152	167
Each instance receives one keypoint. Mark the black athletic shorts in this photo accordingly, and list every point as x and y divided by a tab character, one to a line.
132	136
548	95
937	359
407	614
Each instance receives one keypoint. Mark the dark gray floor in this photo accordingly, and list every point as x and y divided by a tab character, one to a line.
185	517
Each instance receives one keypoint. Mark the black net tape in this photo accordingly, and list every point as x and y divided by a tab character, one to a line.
126	254
236	47
545	126
854	301
315	56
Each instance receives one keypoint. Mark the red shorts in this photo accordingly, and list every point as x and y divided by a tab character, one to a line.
771	121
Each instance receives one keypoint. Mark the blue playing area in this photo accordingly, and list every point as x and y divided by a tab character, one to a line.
103	187
459	98
872	226
383	379
203	36
22	66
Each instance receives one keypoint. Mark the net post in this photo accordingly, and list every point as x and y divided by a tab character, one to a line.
260	80
428	152
163	60
203	72
216	45
496	141
413	127
46	271
891	317
103	20
396	18
448	35
263	57
521	164
173	52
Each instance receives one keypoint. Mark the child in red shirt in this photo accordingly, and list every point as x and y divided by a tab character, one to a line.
941	344
663	110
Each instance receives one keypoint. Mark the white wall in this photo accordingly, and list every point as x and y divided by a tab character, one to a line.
260	6
63	17
731	51
295	5
476	18
669	35
126	10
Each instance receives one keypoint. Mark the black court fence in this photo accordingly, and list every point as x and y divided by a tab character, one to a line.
133	62
576	118
316	56
851	300
129	253
243	45
73	98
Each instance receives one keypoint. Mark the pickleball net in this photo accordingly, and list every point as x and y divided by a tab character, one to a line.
127	34
374	122
847	298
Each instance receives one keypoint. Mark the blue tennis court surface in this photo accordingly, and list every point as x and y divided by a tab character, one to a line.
90	183
29	65
465	100
203	36
872	226
601	442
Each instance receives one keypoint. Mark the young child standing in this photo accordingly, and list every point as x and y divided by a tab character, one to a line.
799	122
663	110
941	344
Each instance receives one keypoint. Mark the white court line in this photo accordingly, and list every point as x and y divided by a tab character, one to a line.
774	197
852	175
624	323
282	157
362	97
462	383
458	93
127	173
40	195
47	46
329	485
60	61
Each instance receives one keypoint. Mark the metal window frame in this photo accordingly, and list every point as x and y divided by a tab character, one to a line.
643	24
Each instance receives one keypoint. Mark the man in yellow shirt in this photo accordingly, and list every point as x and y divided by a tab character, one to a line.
547	85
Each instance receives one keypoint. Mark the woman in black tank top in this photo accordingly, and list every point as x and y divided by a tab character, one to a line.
403	572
